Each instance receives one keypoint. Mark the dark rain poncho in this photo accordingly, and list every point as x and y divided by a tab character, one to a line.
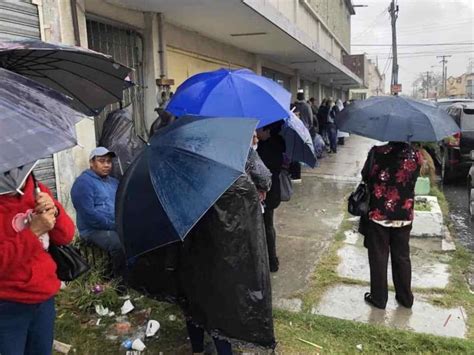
220	274
119	136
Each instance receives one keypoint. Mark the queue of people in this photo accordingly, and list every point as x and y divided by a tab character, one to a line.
29	282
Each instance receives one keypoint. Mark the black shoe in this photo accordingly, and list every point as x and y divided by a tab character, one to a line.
402	303
274	265
368	298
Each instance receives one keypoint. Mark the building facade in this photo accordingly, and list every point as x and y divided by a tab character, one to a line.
373	80
461	86
300	44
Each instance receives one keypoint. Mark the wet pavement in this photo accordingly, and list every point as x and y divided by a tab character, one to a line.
424	317
456	195
306	225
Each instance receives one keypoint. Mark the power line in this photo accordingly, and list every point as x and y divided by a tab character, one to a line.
415	44
372	25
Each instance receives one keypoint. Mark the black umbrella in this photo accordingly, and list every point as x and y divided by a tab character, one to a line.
35	121
93	80
396	118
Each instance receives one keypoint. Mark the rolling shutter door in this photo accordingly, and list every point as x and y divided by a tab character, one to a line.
20	20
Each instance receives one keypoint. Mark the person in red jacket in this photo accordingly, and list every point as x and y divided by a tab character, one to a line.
29	222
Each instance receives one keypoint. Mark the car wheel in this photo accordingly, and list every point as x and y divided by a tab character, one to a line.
446	174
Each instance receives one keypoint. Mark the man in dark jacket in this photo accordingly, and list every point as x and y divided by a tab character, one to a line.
306	113
271	147
93	197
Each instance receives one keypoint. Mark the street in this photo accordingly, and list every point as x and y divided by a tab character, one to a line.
456	194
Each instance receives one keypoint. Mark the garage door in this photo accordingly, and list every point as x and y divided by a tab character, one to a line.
19	20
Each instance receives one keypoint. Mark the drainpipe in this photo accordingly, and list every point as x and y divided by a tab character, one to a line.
75	23
162	46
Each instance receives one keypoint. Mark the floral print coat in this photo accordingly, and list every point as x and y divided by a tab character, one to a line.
391	178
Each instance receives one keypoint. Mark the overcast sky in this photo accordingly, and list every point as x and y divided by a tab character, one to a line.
419	22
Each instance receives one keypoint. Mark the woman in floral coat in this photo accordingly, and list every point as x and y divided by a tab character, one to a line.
390	172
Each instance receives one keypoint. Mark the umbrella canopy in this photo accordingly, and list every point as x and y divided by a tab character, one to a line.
177	178
35	121
299	145
396	118
13	180
231	93
93	80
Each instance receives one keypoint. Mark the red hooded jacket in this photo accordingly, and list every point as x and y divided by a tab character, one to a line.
27	271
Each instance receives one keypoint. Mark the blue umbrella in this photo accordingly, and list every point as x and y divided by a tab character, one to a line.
299	145
178	177
396	118
231	93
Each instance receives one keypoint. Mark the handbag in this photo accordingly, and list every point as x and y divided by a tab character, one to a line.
70	263
358	203
286	187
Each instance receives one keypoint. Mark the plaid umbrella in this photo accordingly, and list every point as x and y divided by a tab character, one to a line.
35	121
93	80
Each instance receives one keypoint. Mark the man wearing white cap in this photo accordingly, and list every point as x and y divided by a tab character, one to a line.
93	196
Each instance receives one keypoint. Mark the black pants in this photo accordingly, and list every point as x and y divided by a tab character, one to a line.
295	170
379	242
271	235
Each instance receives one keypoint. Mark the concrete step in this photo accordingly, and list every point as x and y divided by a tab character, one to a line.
347	302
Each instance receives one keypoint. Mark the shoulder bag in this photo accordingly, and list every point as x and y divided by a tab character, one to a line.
358	204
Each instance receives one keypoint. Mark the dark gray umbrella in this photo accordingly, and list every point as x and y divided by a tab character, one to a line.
93	80
396	118
35	121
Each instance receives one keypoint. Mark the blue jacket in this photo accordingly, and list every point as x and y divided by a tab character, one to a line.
93	198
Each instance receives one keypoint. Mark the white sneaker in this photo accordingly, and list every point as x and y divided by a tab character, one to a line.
296	181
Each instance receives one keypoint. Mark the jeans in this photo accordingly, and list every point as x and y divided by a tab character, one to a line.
332	135
27	328
196	336
110	242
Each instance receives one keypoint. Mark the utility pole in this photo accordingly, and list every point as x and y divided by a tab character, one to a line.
445	70
393	10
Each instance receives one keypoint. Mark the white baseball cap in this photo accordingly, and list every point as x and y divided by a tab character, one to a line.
100	152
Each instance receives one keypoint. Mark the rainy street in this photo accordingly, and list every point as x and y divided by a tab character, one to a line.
456	194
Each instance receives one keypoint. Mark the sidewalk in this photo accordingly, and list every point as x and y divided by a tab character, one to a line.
306	224
306	227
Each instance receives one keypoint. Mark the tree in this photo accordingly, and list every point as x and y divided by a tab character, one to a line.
428	85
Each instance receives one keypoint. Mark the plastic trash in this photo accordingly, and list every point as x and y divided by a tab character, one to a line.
152	328
127	307
101	310
97	289
136	344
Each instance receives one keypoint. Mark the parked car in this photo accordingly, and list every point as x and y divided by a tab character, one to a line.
446	103
455	151
470	186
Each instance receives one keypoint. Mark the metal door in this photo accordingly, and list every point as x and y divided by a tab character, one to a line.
125	46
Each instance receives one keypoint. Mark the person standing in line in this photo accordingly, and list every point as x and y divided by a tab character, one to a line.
271	148
323	113
314	109
340	135
390	173
331	126
30	222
